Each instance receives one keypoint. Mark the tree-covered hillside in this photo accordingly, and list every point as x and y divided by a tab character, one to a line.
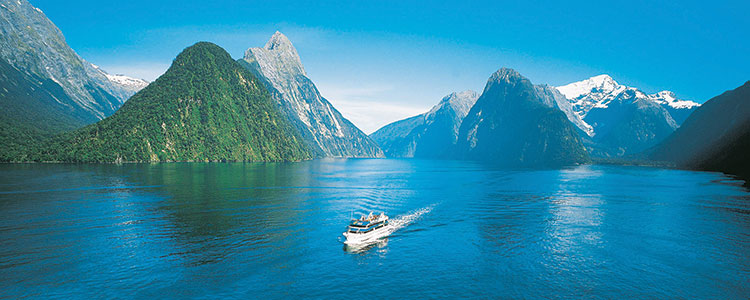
206	107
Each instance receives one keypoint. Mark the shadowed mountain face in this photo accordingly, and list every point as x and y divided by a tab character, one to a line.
624	120
206	107
428	135
514	123
715	137
325	131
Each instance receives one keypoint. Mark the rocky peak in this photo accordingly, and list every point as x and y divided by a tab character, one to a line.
279	41
507	78
277	57
460	102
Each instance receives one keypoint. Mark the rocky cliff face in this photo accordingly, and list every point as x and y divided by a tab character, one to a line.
624	120
33	45
513	123
323	128
428	135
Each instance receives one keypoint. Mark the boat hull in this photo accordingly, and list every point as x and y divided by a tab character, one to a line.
362	238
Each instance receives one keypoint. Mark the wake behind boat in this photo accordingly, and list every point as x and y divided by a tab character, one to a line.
367	228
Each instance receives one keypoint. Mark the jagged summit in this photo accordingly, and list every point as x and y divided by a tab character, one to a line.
504	78
599	91
277	57
505	74
279	41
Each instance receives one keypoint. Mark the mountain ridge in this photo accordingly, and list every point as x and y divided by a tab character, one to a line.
430	134
624	120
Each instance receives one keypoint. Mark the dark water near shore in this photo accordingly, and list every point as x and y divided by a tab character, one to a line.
272	231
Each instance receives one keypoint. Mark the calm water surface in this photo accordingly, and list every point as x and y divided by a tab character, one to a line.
273	231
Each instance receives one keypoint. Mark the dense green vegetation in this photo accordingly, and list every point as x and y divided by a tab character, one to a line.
206	107
31	111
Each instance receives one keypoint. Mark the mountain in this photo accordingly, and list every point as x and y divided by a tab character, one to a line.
624	119
715	137
33	45
518	124
427	135
206	107
45	87
323	128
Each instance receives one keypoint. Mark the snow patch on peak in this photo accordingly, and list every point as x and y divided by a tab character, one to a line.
600	83
670	99
134	84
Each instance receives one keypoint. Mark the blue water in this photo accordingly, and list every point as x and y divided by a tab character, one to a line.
273	231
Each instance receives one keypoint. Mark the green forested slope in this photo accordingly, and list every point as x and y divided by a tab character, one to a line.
206	107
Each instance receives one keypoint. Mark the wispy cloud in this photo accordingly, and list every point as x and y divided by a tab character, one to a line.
371	115
366	107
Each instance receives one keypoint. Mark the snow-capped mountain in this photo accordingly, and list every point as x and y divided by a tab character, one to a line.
625	120
430	134
599	91
322	127
131	84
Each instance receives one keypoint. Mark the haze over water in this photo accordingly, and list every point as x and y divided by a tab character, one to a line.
274	230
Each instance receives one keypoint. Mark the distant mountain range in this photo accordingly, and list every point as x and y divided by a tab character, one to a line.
716	137
55	106
430	134
611	120
512	123
624	120
206	107
322	127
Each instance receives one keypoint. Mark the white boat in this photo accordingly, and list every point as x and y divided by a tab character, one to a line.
367	229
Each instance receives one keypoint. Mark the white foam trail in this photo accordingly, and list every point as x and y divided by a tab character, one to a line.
405	220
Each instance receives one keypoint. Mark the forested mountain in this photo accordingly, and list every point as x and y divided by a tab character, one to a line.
206	107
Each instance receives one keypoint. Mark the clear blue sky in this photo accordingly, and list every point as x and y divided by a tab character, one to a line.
378	61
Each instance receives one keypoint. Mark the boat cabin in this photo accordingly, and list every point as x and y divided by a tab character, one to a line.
367	223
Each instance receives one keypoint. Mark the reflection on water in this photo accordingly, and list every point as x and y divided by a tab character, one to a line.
461	230
379	244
